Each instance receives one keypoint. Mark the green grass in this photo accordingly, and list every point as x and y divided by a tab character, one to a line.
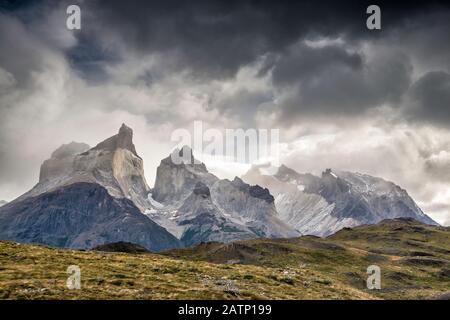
414	261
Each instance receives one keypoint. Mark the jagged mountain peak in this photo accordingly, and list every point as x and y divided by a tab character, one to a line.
283	169
177	175
217	209
238	182
113	164
255	191
321	205
122	140
184	157
329	173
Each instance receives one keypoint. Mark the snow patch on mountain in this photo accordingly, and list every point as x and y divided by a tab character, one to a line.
323	205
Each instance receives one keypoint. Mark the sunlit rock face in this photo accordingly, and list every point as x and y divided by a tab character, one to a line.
323	205
87	197
175	181
113	164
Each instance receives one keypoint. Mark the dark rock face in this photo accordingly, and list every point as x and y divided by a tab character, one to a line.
254	191
207	226
121	246
203	220
202	190
254	205
81	215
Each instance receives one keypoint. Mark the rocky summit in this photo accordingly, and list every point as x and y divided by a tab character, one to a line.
87	197
113	164
196	206
335	200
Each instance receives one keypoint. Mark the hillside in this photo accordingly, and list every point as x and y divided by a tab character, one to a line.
414	259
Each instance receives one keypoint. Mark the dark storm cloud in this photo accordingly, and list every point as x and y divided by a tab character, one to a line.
304	62
332	80
430	98
14	56
215	38
90	59
425	38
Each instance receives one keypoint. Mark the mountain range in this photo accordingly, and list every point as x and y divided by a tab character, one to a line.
335	200
87	197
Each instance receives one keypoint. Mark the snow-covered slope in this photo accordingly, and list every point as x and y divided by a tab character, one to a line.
323	205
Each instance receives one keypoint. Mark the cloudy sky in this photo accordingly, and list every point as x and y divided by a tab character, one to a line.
342	96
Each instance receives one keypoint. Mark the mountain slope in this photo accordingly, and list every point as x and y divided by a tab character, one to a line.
414	258
87	197
225	211
81	215
253	205
323	205
113	164
205	220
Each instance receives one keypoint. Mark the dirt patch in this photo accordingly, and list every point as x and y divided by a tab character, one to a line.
355	280
426	262
399	276
420	254
234	252
443	274
441	296
376	258
321	245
